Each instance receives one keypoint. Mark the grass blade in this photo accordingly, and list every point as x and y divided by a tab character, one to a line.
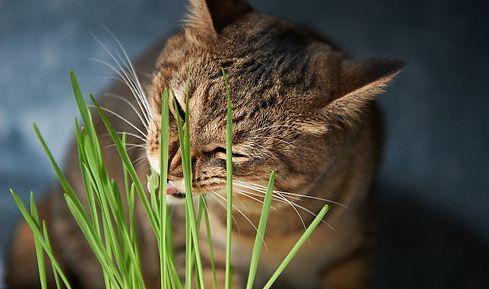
39	251
229	181
184	136
164	155
48	243
260	234
129	166
210	243
317	220
39	236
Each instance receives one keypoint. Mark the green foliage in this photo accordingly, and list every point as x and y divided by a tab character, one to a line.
107	220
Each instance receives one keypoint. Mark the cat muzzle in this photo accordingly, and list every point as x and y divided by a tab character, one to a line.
173	191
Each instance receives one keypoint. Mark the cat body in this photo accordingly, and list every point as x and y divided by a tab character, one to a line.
301	108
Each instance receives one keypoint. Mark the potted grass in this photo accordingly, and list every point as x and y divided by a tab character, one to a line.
108	221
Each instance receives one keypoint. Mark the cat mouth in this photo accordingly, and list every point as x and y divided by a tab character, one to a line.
177	195
173	191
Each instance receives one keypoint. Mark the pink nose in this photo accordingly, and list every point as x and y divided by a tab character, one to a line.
171	189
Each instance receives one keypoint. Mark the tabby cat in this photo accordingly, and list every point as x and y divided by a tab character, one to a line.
302	108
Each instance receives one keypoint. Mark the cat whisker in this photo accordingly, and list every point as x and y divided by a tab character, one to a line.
128	145
242	204
140	160
246	217
128	134
122	118
263	191
293	204
256	194
298	196
279	193
123	78
224	207
130	77
204	201
133	135
296	211
111	95
131	67
122	66
128	148
246	194
261	188
286	201
310	212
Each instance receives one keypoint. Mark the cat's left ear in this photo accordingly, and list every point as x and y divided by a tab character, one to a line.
357	83
212	16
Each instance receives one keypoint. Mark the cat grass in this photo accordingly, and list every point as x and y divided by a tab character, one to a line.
107	220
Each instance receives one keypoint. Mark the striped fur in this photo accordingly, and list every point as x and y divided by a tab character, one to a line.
301	108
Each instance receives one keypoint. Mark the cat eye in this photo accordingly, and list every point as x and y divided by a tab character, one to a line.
220	152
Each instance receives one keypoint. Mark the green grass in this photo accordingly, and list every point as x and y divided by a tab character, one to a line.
107	220
229	181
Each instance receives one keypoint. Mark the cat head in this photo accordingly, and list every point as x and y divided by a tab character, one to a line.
295	98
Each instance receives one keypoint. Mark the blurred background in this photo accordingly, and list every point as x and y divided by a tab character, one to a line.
433	190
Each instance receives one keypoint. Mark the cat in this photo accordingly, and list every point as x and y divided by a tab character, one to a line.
302	108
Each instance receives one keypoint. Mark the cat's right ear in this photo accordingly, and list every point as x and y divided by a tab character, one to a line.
210	17
357	83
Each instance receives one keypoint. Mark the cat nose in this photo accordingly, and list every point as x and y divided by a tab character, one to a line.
171	189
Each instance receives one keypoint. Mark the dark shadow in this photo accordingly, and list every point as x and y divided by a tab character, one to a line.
420	247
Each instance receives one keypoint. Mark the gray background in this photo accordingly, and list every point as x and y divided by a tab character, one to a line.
433	189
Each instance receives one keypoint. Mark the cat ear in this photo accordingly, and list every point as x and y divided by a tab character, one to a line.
357	84
211	16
